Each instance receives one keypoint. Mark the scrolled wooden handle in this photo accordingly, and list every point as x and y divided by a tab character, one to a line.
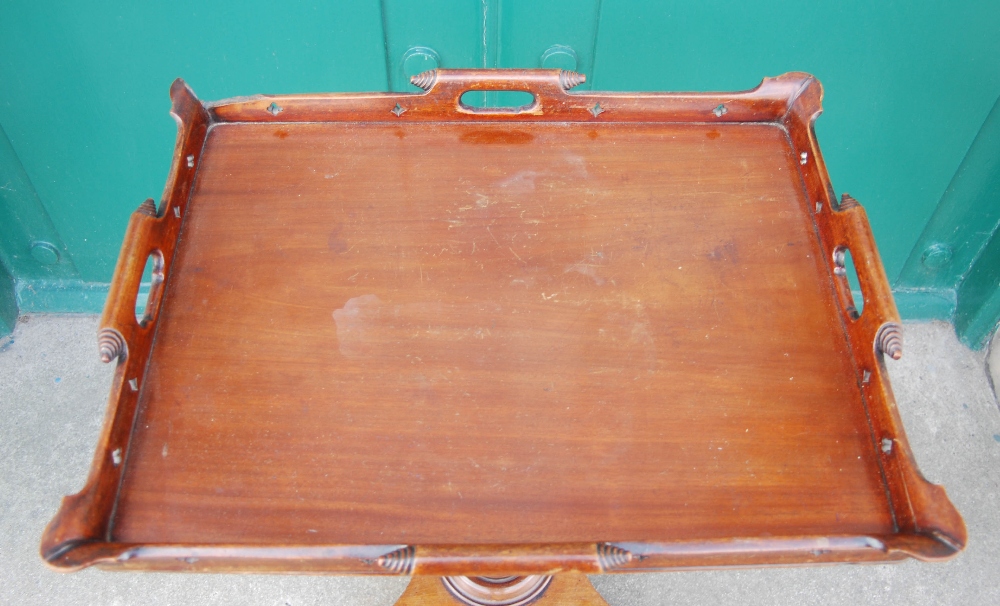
879	319
437	81
548	87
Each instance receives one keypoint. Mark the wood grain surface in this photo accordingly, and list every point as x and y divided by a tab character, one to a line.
570	589
613	344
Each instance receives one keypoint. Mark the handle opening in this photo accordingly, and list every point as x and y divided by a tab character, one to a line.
147	302
497	101
846	275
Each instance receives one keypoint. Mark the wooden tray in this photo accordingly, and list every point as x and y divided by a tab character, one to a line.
394	334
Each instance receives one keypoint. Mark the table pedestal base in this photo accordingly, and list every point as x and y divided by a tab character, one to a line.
569	589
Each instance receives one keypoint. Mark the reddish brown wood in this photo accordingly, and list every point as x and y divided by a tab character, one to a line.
85	517
494	591
769	102
570	589
147	208
398	335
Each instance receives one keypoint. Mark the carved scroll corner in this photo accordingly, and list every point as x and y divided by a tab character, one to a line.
111	344
147	208
610	557
399	561
889	340
185	105
180	92
425	80
803	96
568	79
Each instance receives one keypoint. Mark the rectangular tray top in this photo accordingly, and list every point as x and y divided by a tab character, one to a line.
390	333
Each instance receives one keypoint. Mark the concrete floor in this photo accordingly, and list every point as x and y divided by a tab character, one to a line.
52	398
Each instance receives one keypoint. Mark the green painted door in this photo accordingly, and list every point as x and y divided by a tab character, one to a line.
911	126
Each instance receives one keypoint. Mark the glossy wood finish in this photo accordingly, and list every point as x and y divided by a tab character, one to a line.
447	341
86	516
570	589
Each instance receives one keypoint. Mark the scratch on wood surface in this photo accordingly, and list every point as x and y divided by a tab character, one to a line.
285	303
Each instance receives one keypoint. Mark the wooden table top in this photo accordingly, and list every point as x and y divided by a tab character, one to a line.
446	341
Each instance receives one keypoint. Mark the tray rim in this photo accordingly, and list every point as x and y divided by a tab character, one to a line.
928	527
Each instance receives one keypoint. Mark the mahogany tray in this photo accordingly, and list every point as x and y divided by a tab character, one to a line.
391	333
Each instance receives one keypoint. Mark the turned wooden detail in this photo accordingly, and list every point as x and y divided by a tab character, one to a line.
147	208
497	591
399	561
611	556
567	589
568	79
425	80
847	202
111	344
889	340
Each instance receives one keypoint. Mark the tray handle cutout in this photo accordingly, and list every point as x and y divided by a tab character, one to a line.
929	525
84	519
547	86
497	102
141	247
146	306
851	231
843	266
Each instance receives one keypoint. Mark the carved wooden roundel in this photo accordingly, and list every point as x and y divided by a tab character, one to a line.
497	591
